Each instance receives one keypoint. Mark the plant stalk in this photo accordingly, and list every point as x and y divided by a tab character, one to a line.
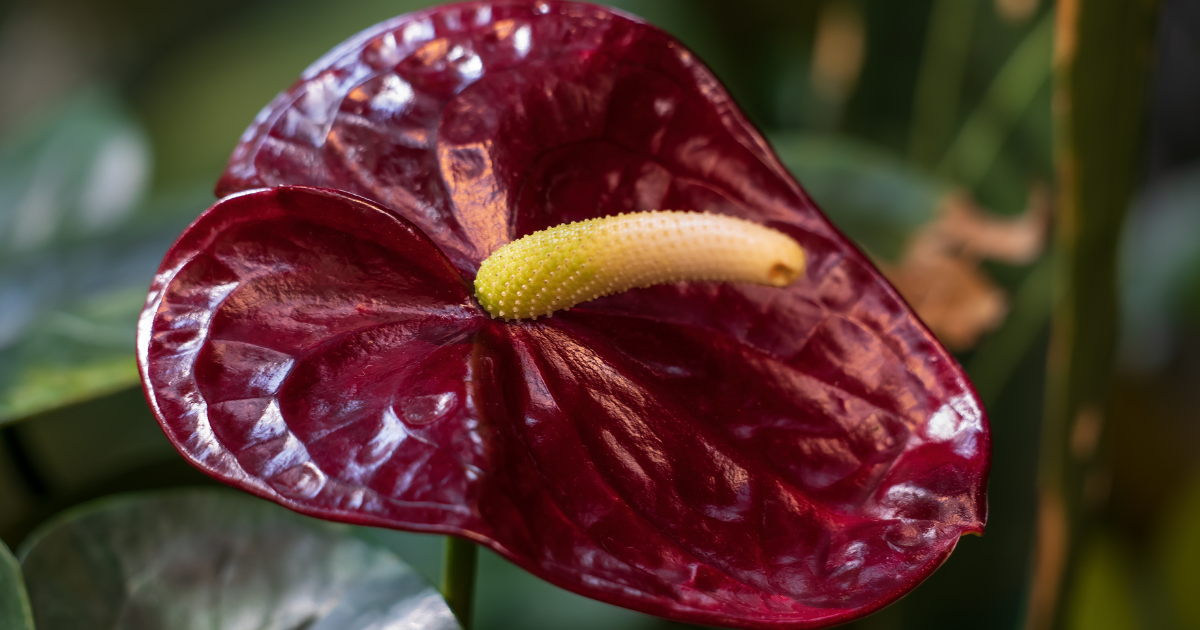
1102	55
458	577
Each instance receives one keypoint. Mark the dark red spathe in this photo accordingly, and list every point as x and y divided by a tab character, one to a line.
746	456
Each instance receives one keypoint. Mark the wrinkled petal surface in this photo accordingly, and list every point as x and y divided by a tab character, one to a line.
733	455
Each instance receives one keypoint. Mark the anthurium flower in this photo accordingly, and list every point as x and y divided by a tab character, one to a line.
718	453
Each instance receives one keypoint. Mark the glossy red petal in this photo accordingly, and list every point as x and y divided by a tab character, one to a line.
741	456
317	350
259	325
493	120
766	496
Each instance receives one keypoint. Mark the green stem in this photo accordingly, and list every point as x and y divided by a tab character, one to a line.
458	577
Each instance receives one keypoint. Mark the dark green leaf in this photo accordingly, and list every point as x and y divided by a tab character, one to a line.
14	605
74	448
217	559
980	141
872	196
80	173
77	249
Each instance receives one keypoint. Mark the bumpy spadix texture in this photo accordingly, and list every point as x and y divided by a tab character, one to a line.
724	454
559	267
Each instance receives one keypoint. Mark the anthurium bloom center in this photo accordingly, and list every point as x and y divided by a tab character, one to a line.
562	266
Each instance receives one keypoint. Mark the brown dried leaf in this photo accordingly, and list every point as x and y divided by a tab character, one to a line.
954	298
976	233
939	272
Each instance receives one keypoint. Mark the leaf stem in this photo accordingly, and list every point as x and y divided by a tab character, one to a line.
458	577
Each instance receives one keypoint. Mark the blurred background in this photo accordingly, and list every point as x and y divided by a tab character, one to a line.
924	128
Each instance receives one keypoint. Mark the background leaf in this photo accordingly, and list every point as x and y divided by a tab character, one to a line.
14	605
77	246
80	172
1103	596
70	455
217	559
872	196
1160	270
1179	555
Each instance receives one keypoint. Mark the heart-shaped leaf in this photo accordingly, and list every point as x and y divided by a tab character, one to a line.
746	456
214	559
15	613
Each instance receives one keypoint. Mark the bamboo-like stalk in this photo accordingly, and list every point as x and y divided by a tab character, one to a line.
1102	57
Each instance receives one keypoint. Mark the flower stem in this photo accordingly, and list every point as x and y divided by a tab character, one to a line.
458	578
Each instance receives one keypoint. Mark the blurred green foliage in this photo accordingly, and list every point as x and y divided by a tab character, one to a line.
1178	555
15	613
1103	599
952	95
1161	269
67	188
876	197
